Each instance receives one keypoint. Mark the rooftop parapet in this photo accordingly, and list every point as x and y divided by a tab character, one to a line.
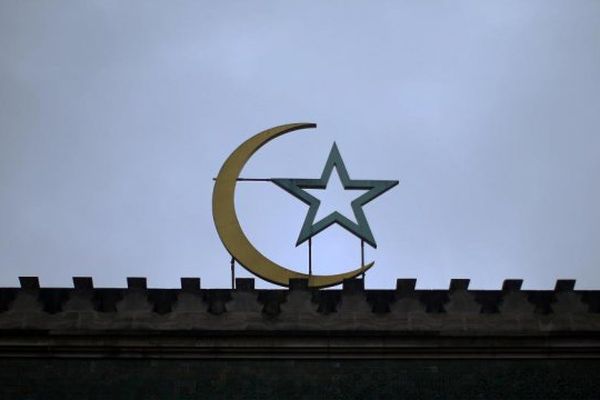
351	307
300	321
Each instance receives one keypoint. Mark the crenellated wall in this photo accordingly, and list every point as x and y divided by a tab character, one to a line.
246	343
456	309
350	322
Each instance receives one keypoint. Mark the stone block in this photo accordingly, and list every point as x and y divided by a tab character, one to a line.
459	284
511	285
405	286
83	283
244	283
353	285
564	285
29	282
136	283
190	284
298	284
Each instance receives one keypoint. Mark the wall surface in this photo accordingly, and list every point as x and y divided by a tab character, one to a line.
57	379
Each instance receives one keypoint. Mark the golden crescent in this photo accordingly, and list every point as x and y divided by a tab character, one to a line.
228	225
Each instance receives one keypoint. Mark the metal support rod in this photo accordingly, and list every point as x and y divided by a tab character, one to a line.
362	256
232	273
310	256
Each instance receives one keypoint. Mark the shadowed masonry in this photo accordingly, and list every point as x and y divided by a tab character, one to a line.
298	343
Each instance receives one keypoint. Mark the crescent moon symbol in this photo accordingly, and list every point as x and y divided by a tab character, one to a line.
228	225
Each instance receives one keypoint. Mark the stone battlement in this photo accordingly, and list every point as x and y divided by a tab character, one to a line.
457	309
352	322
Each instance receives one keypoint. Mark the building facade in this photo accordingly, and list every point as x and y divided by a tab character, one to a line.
298	343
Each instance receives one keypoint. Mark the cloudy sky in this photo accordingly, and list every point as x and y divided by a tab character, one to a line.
115	116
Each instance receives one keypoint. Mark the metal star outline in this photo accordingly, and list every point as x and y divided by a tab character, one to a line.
361	228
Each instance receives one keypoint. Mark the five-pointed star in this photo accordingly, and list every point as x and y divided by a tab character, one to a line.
361	228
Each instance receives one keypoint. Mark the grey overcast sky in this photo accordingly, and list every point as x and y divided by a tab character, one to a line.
115	116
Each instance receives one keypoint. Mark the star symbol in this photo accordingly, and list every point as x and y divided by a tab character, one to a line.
360	228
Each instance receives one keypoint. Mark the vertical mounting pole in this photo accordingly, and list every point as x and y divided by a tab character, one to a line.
232	273
362	256
310	256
